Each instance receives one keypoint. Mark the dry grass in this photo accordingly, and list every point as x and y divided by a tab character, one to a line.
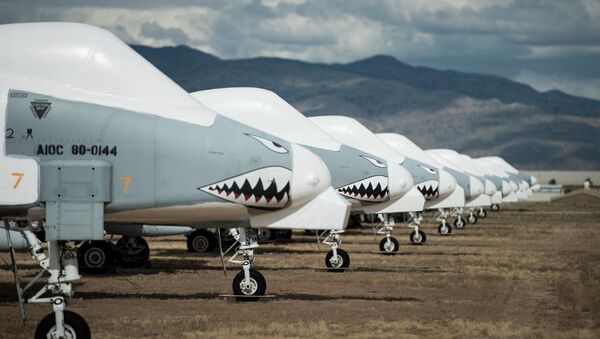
529	271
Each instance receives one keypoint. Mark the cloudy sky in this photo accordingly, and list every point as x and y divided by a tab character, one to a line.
545	43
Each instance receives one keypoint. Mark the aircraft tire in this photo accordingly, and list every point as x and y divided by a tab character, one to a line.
459	223
388	247
95	257
444	230
201	241
75	326
258	285
472	219
133	256
343	260
418	238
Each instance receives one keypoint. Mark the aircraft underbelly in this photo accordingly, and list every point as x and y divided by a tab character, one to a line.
181	215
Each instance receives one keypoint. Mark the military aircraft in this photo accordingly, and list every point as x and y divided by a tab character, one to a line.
428	182
474	197
445	206
525	182
509	187
364	179
94	135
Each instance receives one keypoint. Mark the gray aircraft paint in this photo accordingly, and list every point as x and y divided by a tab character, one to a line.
496	180
426	179
167	160
349	165
462	180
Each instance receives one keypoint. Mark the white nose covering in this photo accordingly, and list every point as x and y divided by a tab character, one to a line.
514	186
533	181
310	176
506	189
490	188
399	180
476	187
447	184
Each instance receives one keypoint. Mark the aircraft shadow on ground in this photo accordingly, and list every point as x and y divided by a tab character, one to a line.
213	296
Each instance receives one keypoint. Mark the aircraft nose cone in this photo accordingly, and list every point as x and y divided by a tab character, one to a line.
399	180
513	186
506	189
476	187
447	184
310	176
490	188
533	181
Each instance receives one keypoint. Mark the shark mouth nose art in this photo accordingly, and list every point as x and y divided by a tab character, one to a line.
373	189
429	189
265	188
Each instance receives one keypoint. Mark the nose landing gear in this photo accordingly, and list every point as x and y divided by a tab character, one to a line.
249	284
337	260
61	265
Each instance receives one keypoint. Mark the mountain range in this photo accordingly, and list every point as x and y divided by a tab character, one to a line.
476	114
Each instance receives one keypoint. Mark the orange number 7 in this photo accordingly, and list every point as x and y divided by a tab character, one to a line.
19	176
126	180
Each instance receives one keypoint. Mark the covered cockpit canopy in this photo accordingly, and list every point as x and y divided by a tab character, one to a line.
409	148
84	63
354	134
265	110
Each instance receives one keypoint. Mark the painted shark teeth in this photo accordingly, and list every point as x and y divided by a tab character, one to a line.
264	188
372	189
429	189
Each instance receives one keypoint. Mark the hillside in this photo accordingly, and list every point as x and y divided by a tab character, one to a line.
473	113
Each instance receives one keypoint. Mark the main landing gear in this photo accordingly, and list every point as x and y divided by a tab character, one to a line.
61	265
337	260
249	284
101	256
495	207
201	241
482	213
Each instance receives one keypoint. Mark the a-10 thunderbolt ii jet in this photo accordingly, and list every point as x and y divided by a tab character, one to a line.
446	206
524	181
93	134
429	183
474	195
364	179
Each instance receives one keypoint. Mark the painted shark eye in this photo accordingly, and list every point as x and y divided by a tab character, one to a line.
374	161
272	145
430	170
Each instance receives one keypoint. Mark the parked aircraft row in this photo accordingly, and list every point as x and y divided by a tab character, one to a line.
98	141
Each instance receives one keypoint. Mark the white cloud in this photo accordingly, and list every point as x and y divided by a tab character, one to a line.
498	36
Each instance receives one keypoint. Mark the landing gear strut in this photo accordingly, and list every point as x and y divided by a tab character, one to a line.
495	207
336	259
459	222
443	228
472	218
61	265
248	283
417	236
482	213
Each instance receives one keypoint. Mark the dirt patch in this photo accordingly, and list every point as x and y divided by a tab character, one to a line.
526	271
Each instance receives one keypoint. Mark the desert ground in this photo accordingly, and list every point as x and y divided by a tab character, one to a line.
530	270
